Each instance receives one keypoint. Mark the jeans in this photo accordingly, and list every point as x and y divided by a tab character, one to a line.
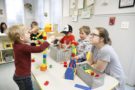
24	83
81	60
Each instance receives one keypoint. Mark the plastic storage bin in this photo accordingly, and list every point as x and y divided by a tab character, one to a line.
90	76
59	55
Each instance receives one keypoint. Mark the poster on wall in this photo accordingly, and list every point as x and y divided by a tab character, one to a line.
74	18
90	2
111	21
85	14
72	4
126	3
80	4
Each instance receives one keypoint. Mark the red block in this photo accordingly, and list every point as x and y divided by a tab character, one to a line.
73	55
33	60
46	83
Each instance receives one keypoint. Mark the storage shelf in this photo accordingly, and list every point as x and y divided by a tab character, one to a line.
4	62
6	49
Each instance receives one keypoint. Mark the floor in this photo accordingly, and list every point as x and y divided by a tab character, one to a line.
7	83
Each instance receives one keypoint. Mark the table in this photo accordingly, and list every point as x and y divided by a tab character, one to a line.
55	76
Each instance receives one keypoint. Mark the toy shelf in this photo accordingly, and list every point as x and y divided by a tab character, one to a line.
6	51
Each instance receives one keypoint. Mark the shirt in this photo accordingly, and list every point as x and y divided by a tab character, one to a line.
67	39
114	68
22	56
83	47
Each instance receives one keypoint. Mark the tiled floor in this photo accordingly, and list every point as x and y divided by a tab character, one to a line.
7	83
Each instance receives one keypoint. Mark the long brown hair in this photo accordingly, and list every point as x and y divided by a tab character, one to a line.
104	34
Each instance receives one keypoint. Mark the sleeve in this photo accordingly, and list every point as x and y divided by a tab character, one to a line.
35	49
62	40
86	49
104	56
73	38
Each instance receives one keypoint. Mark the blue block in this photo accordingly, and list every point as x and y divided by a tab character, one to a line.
69	74
82	87
72	63
44	56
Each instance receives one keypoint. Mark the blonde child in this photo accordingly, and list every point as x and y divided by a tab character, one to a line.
83	44
20	35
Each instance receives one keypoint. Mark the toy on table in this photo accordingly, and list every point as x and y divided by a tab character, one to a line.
88	55
65	64
71	70
90	72
46	83
82	87
43	66
73	48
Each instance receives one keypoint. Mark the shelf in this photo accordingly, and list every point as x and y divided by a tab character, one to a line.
4	62
2	34
6	49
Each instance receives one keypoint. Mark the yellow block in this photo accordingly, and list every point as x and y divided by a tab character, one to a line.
43	67
88	71
88	55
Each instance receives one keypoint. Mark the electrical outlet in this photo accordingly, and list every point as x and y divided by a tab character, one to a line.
125	25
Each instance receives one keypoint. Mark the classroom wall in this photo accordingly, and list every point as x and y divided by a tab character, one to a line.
2	6
122	39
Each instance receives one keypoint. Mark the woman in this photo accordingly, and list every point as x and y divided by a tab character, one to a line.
104	57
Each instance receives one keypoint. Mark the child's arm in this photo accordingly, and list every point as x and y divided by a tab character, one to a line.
86	49
35	49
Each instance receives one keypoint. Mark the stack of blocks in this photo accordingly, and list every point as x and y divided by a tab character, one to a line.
71	70
69	74
43	66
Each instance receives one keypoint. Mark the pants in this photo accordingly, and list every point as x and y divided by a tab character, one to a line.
81	60
24	83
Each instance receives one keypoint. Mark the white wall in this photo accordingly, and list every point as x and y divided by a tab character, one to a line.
2	6
122	40
111	8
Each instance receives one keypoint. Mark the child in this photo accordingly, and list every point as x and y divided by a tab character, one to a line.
20	35
68	38
3	27
34	32
83	44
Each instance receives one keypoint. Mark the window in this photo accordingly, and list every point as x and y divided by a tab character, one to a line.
15	12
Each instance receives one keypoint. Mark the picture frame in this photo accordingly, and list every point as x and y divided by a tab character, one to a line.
126	3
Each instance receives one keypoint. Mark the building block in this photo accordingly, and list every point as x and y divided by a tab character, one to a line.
46	83
43	67
72	63
69	74
82	87
65	64
33	60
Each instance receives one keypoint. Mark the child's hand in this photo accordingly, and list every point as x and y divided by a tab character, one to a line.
50	39
75	58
